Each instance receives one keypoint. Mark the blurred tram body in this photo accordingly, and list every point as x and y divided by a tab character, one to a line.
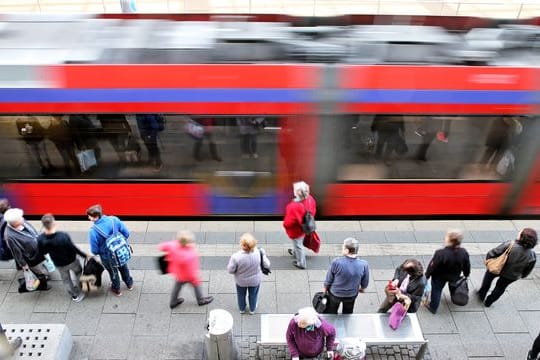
210	118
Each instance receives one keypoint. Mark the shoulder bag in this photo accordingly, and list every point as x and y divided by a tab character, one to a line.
265	270
496	264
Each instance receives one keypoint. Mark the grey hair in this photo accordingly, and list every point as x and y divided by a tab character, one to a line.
13	215
352	245
301	189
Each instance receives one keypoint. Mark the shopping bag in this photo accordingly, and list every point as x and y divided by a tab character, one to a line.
31	280
397	314
87	159
48	263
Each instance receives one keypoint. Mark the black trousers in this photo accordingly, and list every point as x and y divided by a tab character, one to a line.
333	304
500	287
536	347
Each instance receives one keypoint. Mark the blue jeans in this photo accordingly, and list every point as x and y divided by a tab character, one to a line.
437	286
115	277
253	295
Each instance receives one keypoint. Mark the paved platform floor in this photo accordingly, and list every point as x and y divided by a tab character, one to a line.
140	325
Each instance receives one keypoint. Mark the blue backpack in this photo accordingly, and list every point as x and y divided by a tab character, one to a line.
117	245
5	251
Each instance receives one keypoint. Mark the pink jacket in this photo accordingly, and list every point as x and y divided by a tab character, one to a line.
183	262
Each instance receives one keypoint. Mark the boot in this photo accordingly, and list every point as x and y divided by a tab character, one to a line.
205	300
8	348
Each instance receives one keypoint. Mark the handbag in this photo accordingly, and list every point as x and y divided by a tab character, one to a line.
505	166
163	264
319	302
265	270
496	264
87	159
48	263
397	314
31	280
459	291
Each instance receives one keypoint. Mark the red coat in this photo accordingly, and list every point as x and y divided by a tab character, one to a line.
294	216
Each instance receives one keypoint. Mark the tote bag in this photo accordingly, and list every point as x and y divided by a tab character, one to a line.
397	314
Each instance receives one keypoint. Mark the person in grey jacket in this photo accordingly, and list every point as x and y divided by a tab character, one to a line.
520	263
246	267
21	238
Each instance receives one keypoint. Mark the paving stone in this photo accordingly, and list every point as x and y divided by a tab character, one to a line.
381	274
367	303
515	346
504	318
185	338
83	318
440	323
149	323
506	225
278	237
48	318
531	319
524	294
220	238
289	303
157	237
349	226
155	282
316	275
485	236
268	225
335	237
115	324
222	282
8	274
55	300
317	262
291	281
226	226
82	346
476	334
173	226
436	237
147	347
153	304
251	324
267	299
379	262
370	237
385	225
128	303
17	308
110	347
437	225
215	262
400	237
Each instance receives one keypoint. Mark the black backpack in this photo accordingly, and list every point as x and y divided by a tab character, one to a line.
308	222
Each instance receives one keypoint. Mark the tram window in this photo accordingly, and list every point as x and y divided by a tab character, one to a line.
432	147
178	147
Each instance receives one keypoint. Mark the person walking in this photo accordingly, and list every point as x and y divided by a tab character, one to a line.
308	334
21	238
519	264
63	253
149	128
8	348
104	226
535	350
408	281
294	217
183	263
447	265
346	277
245	265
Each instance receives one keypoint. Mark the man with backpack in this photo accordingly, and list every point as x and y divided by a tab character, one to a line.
300	221
108	239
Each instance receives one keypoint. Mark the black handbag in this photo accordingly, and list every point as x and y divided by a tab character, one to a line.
319	302
459	292
265	270
163	264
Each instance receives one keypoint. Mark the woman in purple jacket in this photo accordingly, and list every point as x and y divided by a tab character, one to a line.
308	334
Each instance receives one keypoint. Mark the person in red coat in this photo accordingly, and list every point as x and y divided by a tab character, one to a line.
294	216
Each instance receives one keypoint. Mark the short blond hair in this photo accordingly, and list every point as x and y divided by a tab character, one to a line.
248	242
185	237
454	236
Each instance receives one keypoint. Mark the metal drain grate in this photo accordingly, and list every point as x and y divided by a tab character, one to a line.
41	341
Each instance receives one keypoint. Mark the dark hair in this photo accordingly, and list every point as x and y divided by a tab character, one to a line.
95	211
4	205
48	221
416	270
528	238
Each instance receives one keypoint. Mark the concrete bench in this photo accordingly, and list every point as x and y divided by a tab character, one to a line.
373	329
41	341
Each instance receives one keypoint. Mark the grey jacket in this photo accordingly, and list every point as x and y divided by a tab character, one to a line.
23	244
246	267
520	261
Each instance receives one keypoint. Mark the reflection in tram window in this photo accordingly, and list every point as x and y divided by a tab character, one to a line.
432	147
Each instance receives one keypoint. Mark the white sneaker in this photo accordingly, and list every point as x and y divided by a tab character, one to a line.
79	298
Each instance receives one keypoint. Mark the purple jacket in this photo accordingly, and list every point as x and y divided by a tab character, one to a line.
304	343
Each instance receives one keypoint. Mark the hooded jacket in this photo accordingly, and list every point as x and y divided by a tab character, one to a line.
306	344
520	262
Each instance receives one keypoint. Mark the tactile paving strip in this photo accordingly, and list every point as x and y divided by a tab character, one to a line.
41	341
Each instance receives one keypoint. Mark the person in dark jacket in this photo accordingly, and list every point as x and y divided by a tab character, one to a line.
149	128
520	263
106	225
500	136
408	281
447	265
390	131
21	238
60	135
307	335
117	131
63	253
33	135
5	252
535	350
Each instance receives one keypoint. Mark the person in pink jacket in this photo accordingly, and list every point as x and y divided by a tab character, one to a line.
183	260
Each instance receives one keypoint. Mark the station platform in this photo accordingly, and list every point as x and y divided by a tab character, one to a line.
140	325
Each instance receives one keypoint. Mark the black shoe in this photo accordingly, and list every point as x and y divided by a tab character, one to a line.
206	300
530	356
488	303
178	302
430	309
480	296
298	266
291	252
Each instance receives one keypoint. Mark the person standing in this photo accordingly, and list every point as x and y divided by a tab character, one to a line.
535	350
294	218
246	267
104	226
519	264
183	263
447	265
8	348
308	334
21	238
33	135
63	253
5	251
408	281
149	127
346	277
